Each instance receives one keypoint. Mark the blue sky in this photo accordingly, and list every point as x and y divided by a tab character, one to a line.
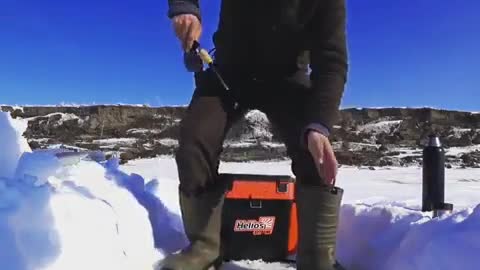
402	53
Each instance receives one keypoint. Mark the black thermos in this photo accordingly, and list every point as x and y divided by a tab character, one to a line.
434	176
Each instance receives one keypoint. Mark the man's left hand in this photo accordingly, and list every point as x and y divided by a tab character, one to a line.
323	156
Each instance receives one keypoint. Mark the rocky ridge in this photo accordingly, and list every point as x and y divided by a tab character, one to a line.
362	137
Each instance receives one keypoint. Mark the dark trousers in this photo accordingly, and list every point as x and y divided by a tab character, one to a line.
211	114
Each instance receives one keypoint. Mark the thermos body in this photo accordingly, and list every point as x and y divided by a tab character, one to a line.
433	175
434	178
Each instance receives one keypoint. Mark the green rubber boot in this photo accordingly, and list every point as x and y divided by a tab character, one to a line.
318	216
202	223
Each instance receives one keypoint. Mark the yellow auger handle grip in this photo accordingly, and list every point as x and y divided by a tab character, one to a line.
206	58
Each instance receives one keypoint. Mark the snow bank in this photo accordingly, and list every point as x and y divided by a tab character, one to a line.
395	238
60	216
60	212
167	228
13	144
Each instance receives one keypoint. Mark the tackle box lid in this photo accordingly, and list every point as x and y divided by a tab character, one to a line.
257	177
260	187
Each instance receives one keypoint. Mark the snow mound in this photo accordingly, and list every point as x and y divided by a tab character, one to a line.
13	143
77	216
394	237
259	123
60	214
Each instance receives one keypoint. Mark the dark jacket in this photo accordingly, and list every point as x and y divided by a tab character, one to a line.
263	39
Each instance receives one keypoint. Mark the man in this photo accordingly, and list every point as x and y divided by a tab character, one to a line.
287	58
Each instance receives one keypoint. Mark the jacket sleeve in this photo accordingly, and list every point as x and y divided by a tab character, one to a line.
177	7
328	62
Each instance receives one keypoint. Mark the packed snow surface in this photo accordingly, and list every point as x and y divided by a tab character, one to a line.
67	211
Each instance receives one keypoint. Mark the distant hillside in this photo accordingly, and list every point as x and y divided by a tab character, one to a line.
366	137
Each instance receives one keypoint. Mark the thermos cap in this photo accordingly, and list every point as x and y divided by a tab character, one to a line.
434	141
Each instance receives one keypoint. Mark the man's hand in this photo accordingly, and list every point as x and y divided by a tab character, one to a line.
188	29
323	156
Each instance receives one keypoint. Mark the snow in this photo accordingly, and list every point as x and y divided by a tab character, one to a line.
58	215
66	211
260	123
116	141
272	144
63	118
380	126
396	238
362	185
64	146
457	151
459	131
242	144
143	131
252	143
407	151
168	117
13	144
39	140
14	107
355	146
381	225
167	142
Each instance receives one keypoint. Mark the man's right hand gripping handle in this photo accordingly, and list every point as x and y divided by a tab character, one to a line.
186	20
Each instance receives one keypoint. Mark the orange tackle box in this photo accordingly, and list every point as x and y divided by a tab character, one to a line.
259	219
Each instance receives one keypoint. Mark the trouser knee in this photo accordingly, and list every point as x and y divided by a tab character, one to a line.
191	170
195	171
